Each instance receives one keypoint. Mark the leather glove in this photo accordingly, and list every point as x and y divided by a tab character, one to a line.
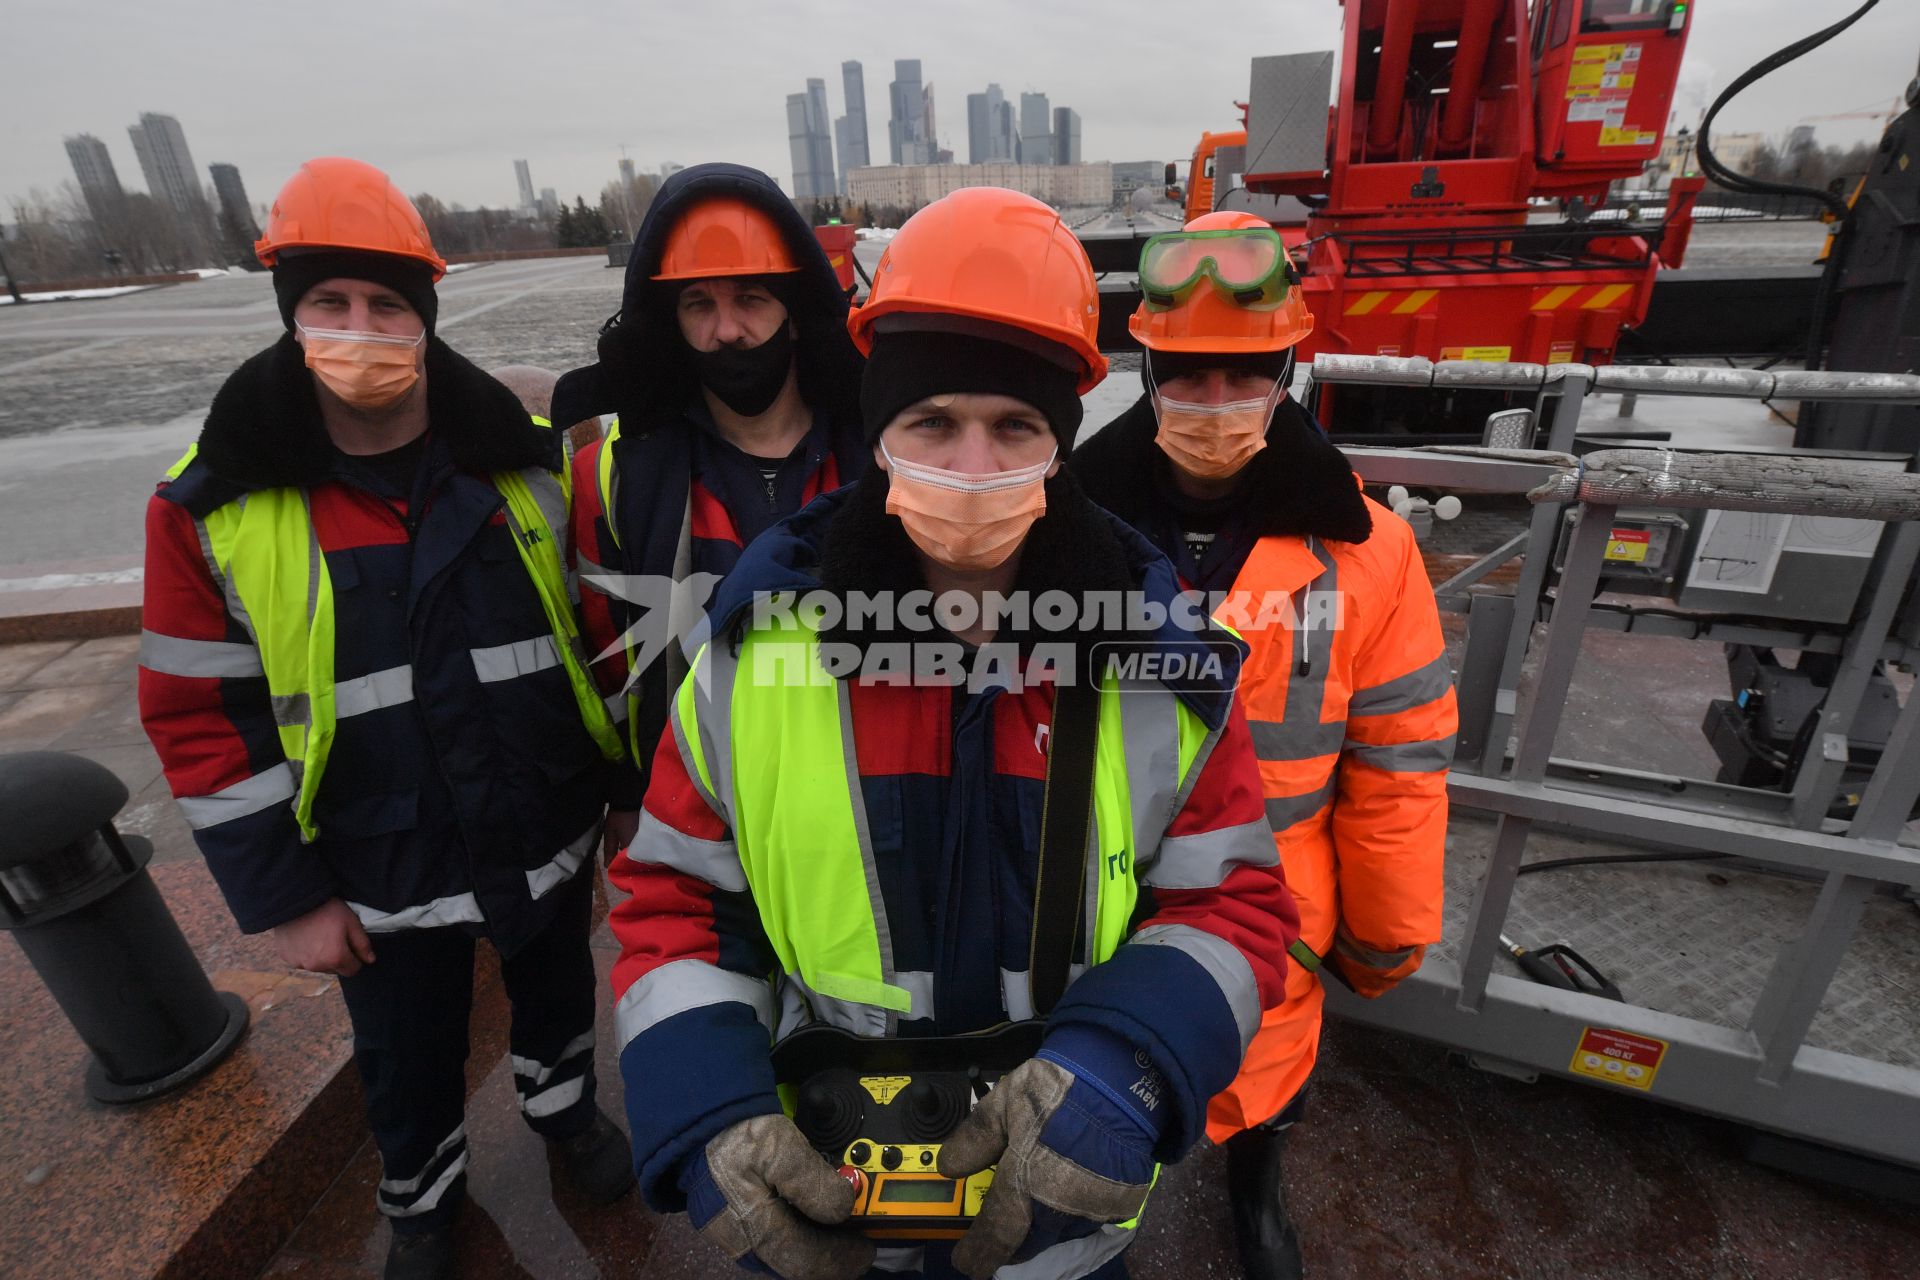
1072	1133
1368	972
766	1199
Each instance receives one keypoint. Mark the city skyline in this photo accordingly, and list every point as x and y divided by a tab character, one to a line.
434	115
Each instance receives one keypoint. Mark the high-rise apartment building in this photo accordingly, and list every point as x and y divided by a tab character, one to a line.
1036	129
161	147
850	130
907	139
809	146
1066	136
990	132
93	167
235	212
528	200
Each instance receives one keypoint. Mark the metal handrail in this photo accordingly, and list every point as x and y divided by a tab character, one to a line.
1665	380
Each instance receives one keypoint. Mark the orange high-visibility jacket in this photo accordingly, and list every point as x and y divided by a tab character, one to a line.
1352	710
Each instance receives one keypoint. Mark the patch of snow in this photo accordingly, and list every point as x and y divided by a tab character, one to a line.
65	294
875	233
209	273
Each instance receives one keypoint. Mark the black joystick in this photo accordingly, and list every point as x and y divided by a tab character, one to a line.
934	1107
829	1113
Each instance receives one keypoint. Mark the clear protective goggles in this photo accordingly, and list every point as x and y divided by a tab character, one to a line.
1246	264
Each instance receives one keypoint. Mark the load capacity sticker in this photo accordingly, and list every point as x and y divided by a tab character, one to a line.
1618	1057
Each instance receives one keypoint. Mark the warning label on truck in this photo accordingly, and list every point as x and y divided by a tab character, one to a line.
1618	1057
1476	353
1604	71
1628	544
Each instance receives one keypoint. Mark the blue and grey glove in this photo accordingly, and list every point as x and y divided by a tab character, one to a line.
1072	1132
769	1202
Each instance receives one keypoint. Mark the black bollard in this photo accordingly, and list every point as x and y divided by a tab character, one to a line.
76	896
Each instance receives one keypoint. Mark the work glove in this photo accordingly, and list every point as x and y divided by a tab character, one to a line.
1368	972
766	1199
1072	1132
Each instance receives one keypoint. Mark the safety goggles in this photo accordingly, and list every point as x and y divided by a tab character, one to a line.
1246	264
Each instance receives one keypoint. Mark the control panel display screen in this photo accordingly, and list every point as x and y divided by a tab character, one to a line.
916	1191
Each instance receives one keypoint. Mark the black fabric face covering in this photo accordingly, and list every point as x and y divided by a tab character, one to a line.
747	379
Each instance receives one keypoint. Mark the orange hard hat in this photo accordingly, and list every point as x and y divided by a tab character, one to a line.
986	253
724	236
337	203
1207	321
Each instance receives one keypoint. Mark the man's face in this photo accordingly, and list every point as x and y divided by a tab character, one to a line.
358	306
1217	386
728	313
969	432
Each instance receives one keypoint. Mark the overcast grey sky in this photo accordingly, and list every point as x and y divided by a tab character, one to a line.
446	94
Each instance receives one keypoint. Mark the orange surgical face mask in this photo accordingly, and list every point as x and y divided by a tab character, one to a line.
966	522
369	371
1213	441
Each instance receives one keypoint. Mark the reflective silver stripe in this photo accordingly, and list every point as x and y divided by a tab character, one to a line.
290	708
536	1073
1403	693
1016	994
236	607
713	708
543	880
521	658
1430	756
433	1195
848	1015
918	983
407	1186
550	498
553	1101
360	694
1071	1259
1371	958
201	659
1223	962
717	862
1284	811
686	752
461	908
682	985
1202	861
1296	739
247	796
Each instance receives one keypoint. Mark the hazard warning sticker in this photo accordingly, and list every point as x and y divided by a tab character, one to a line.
1618	1057
1490	354
1628	544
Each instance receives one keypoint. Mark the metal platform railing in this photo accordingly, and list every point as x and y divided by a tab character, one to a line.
1762	1072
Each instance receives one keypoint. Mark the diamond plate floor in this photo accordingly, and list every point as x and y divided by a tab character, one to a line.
1698	939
